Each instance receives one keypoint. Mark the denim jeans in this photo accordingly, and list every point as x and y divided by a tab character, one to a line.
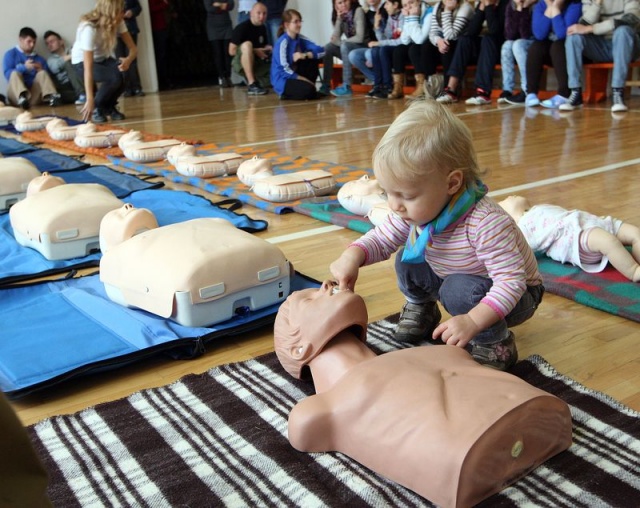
359	58
621	50
459	293
381	58
512	53
342	52
273	25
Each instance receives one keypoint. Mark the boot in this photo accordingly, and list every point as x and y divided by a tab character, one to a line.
418	93
398	84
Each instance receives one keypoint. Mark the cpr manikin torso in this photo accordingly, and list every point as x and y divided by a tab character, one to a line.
429	418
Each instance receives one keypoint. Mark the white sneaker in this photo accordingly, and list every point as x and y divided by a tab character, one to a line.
531	100
478	100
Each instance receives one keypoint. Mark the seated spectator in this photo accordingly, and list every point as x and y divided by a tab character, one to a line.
93	57
27	73
480	43
415	38
67	81
518	39
550	19
387	37
448	22
360	58
294	68
132	85
348	21
607	32
251	51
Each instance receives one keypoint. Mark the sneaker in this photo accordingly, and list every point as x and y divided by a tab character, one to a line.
504	96
98	116
434	85
617	101
482	98
82	99
447	96
371	93
324	90
573	102
501	355
381	93
139	93
128	93
516	99
55	99
23	102
342	91
531	100
554	103
256	89
417	322
223	82
115	115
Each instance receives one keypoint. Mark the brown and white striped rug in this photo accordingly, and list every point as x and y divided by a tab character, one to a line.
219	439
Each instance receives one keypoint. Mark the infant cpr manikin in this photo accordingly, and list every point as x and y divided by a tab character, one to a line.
197	273
63	221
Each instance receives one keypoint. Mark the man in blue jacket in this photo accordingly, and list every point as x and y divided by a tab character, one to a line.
27	73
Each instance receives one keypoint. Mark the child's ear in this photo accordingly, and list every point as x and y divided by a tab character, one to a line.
455	181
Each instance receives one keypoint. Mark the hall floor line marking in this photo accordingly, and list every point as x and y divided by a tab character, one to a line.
508	190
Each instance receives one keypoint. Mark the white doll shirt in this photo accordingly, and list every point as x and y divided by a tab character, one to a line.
557	233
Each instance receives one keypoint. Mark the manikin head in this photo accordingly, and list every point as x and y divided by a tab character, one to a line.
515	206
310	318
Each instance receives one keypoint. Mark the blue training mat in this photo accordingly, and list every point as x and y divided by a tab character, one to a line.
121	184
73	328
53	162
13	147
18	263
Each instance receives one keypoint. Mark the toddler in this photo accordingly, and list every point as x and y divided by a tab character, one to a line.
577	237
456	245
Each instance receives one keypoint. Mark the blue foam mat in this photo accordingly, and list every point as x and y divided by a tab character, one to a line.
73	328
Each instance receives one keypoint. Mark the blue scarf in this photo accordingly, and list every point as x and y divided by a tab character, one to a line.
420	236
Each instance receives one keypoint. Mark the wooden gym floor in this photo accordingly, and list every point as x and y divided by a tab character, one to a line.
587	159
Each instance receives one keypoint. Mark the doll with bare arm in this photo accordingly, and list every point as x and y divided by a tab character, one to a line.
578	237
429	418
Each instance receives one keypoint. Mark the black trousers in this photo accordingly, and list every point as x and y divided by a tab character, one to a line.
483	51
435	58
543	53
109	80
297	89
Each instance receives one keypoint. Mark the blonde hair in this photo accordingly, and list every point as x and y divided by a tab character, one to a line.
106	17
426	137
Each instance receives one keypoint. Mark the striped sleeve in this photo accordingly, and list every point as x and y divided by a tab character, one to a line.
385	239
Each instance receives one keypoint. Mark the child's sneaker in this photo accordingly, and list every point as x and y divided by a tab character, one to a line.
500	355
381	93
504	96
342	91
554	103
447	96
371	93
324	90
574	102
482	98
531	100
417	322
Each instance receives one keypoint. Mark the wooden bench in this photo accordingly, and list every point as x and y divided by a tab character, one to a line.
596	79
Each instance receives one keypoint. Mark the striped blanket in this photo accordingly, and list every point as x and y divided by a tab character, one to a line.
219	438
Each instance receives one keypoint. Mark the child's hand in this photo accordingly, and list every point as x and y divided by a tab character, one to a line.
457	331
345	269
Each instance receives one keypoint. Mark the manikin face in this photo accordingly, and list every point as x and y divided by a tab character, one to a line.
515	206
418	202
294	26
310	318
27	44
53	43
258	14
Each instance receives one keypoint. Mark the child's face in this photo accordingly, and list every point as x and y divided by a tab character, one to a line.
417	203
391	7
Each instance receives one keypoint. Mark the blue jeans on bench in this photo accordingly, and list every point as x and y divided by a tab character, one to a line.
621	50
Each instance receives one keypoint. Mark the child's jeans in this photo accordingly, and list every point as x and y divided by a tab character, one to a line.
459	293
512	53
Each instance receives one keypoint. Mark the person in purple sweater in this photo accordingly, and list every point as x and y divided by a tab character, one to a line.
455	244
550	20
